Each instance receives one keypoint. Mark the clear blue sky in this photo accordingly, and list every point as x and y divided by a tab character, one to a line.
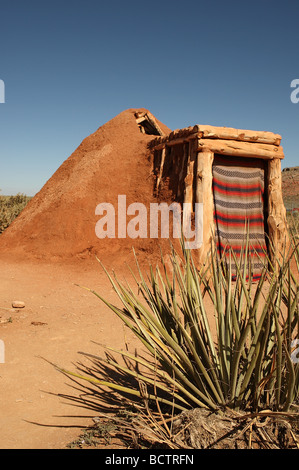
71	66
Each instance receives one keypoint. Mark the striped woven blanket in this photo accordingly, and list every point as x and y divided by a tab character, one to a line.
238	189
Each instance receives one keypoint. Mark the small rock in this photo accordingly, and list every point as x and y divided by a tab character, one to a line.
18	304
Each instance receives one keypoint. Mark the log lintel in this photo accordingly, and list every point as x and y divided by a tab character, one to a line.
241	149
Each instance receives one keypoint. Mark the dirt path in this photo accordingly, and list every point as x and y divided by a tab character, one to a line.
59	319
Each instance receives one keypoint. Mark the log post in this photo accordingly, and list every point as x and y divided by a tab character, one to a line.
188	206
188	193
277	221
204	195
182	169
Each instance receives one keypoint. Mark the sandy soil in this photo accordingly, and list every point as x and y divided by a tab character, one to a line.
59	319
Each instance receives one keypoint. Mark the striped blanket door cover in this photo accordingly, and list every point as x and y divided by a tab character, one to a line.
238	190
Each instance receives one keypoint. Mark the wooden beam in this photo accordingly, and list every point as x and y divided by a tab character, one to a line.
229	133
170	143
240	149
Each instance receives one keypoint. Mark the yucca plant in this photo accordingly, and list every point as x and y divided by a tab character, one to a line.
240	357
294	237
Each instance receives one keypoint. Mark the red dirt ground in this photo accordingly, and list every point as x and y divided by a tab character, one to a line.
59	319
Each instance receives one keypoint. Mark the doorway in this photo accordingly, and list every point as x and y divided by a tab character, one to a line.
239	210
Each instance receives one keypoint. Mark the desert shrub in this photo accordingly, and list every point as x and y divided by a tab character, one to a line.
10	208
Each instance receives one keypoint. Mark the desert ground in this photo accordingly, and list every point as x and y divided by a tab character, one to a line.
58	320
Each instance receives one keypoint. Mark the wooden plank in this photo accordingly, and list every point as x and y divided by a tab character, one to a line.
240	149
